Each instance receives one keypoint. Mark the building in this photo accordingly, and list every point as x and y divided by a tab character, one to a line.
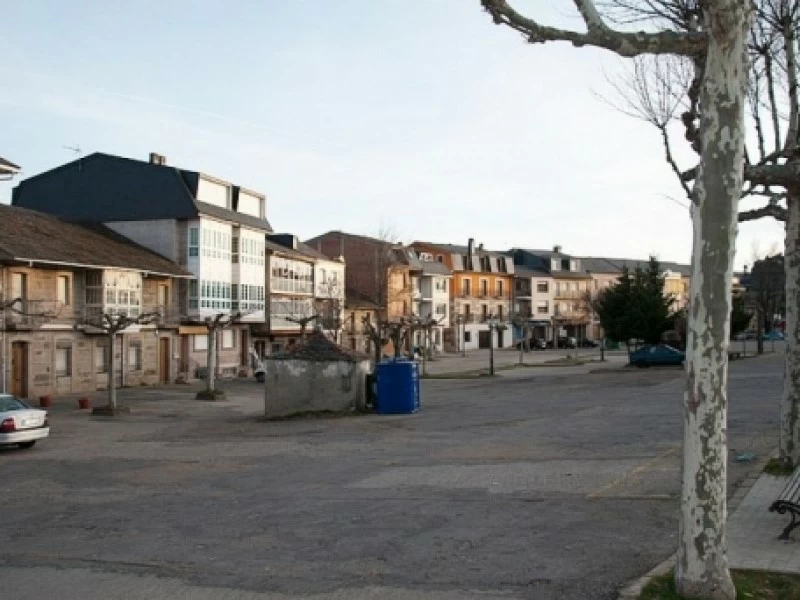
377	280
56	278
210	227
569	281
7	169
480	290
430	297
533	300
305	290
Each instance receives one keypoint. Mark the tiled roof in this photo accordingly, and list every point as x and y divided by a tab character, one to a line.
317	347
32	236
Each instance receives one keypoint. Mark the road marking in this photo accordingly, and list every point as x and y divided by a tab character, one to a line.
641	468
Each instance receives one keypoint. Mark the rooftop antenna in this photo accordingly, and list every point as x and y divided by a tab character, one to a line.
77	151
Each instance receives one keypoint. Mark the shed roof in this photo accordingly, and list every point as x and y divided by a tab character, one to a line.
317	347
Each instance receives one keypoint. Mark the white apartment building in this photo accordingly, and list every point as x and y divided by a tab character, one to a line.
430	296
211	227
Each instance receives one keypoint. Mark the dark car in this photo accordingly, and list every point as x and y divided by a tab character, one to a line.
586	343
660	354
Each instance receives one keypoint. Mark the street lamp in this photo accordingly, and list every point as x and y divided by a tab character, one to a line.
460	343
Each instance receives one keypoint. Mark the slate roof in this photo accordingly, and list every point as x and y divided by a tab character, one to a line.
317	347
524	272
103	187
26	235
7	167
434	267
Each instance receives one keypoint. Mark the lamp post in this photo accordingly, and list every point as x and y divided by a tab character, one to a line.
495	324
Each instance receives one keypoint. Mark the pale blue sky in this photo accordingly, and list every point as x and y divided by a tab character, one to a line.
420	114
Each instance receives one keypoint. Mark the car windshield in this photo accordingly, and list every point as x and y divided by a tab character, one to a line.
8	403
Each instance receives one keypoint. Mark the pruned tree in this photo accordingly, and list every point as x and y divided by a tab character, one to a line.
522	322
214	324
426	324
112	324
715	46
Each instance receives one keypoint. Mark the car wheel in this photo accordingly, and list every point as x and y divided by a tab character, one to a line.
26	445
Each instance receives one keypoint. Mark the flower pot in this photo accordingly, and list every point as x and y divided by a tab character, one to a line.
84	403
45	401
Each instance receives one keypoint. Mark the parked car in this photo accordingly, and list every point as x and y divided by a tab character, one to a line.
660	354
538	344
773	336
586	343
20	424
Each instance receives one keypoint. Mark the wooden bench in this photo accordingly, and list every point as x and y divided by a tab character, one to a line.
789	501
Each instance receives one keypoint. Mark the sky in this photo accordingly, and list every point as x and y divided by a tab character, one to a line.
417	115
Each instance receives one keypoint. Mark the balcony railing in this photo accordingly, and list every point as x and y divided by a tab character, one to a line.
291	285
570	294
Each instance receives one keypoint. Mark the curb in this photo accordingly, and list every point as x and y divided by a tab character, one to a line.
633	589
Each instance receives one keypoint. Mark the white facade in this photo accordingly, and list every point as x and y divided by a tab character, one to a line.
213	192
250	204
431	300
291	292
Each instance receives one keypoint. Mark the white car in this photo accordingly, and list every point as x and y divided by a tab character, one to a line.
20	424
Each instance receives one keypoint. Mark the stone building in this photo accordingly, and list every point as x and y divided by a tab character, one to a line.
56	278
315	375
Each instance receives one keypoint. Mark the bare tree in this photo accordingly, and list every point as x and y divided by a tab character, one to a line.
771	170
329	306
213	325
715	46
112	324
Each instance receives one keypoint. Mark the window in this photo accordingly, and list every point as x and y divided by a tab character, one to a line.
555	264
135	355
123	292
193	241
63	359
484	287
484	312
200	342
163	298
500	288
19	286
228	338
440	284
467	336
542	287
101	355
441	309
573	265
440	258
63	289
542	308
467	310
466	286
501	265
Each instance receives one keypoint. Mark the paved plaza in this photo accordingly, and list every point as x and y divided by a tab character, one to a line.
545	484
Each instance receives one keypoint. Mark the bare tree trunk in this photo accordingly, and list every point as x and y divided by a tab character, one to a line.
702	569
760	324
112	384
211	362
790	411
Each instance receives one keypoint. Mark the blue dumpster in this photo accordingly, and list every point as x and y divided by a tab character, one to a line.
398	387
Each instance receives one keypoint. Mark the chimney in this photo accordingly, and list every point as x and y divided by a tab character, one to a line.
480	246
471	246
157	159
557	249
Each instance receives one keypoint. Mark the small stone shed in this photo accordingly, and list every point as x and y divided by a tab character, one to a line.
313	376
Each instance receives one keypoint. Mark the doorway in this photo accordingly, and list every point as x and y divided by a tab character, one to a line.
484	339
163	360
19	369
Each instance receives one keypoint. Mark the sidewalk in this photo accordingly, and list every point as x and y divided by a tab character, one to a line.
753	531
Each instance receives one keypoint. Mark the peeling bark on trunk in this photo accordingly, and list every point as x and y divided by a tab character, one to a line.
702	569
789	425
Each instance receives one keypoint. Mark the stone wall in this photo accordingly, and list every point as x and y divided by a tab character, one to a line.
298	386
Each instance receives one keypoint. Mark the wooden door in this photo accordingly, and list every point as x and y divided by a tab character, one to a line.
19	369
163	360
484	339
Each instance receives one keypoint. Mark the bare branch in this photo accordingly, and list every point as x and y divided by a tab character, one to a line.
598	33
771	210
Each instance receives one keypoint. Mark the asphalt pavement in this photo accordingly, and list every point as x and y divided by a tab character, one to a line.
553	485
